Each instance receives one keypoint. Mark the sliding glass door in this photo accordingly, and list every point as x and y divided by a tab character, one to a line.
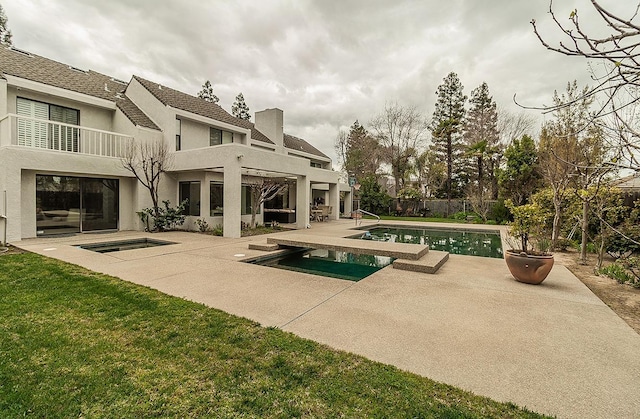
66	204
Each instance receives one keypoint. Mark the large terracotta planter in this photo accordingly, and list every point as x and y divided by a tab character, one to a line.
526	268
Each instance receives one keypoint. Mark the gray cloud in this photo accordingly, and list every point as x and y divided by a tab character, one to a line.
325	63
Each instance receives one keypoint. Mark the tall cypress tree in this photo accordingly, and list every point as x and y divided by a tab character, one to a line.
481	137
240	108
446	133
5	33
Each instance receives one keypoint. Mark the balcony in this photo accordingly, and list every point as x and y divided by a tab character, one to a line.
57	136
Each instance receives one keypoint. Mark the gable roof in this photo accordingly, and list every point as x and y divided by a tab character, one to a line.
631	182
183	101
35	68
295	143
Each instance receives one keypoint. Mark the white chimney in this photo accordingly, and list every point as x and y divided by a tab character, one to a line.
270	122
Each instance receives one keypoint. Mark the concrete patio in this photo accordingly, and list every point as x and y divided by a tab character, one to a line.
554	348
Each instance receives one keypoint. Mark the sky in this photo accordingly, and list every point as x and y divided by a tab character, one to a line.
325	63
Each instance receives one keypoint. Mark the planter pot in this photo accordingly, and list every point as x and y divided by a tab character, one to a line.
526	268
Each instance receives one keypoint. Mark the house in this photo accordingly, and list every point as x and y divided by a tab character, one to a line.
65	130
630	187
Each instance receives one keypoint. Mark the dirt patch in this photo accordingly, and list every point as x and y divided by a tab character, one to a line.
10	250
624	300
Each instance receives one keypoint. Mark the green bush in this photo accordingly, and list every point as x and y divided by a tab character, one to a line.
165	219
617	272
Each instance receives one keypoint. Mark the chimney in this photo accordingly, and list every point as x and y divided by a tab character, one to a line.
270	122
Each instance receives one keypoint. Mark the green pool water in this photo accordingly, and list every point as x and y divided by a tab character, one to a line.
486	243
328	263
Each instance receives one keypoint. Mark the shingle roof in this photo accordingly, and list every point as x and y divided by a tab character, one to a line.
631	182
43	70
135	114
179	100
295	143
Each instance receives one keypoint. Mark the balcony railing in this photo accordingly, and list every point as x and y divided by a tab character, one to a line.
39	133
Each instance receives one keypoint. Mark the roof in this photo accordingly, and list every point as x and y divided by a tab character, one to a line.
631	182
186	102
18	63
32	67
295	143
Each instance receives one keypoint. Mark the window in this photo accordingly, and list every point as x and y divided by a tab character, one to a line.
315	164
217	136
46	135
178	135
216	199
190	191
246	201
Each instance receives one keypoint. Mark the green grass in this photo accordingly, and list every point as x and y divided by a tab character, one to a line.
74	343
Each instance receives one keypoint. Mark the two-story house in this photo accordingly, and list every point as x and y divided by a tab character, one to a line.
64	132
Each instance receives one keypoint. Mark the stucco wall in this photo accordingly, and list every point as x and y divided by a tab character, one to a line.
90	116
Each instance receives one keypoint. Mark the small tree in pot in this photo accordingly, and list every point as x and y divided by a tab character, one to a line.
532	262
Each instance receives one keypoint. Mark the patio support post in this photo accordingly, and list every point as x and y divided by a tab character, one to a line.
348	200
232	217
303	201
334	200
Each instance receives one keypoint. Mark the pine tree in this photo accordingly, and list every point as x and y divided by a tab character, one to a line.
446	132
207	93
481	137
5	33
363	154
240	108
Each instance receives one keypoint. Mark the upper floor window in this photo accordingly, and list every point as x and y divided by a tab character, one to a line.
178	135
218	136
316	164
59	135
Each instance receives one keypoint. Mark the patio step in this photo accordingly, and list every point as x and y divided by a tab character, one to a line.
429	263
265	247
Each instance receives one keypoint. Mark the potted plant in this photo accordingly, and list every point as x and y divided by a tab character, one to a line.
531	262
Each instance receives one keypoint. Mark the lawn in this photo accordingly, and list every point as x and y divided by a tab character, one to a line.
75	343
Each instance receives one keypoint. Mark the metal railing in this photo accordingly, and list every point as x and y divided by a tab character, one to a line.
50	135
364	212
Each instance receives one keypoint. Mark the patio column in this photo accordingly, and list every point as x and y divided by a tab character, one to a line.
334	200
232	217
348	198
13	204
302	201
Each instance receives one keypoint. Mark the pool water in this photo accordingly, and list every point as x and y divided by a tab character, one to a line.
486	243
331	263
117	246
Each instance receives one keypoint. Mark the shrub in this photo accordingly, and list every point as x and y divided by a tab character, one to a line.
217	230
167	218
616	271
203	226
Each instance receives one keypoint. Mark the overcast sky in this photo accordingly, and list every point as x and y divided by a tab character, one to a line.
325	63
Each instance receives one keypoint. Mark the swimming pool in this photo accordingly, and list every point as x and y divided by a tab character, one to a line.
330	263
486	243
116	246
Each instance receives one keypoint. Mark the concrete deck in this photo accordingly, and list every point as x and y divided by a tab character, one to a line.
554	348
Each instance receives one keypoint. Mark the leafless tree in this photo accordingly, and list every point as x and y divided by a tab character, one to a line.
263	189
617	78
400	131
513	125
148	160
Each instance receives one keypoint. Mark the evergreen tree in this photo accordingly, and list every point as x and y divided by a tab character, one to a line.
5	33
240	108
482	139
207	93
446	133
362	152
520	177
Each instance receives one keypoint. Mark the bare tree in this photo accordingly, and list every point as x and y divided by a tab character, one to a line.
400	131
263	190
148	160
512	125
617	84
